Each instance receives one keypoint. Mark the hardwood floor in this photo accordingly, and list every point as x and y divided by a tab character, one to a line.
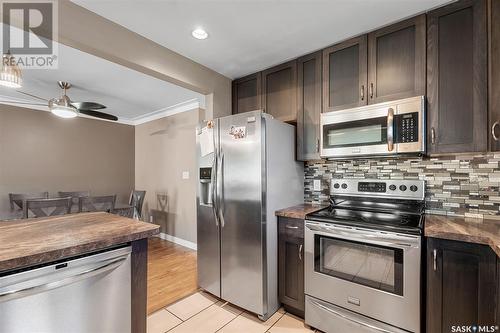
171	273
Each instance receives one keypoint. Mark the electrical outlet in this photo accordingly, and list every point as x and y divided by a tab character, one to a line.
185	174
317	185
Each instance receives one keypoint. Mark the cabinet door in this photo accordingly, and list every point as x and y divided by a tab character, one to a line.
494	107
498	292
291	264
309	106
247	93
460	281
396	61
279	91
457	78
345	75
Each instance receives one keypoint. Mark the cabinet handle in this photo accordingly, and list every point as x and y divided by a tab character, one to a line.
300	252
434	254
317	145
433	136
371	90
291	227
362	92
495	124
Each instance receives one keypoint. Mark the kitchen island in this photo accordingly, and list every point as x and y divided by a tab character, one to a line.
35	243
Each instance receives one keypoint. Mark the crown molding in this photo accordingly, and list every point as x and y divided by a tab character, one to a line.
161	113
165	112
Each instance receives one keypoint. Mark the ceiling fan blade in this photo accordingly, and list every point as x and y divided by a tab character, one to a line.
31	95
98	114
88	105
23	103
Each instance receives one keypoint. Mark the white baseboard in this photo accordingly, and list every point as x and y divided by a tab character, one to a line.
178	240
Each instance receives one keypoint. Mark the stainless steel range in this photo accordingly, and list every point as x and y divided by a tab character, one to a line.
363	257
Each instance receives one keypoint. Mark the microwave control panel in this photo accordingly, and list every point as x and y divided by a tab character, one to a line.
406	127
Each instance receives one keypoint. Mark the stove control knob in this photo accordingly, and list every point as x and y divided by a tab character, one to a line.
336	185
402	188
344	186
413	188
392	187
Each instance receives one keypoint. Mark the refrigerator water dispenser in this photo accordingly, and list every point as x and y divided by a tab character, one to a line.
206	186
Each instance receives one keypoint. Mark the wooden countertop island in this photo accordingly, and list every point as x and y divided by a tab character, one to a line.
30	242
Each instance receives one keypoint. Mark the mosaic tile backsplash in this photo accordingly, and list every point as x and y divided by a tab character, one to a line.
463	185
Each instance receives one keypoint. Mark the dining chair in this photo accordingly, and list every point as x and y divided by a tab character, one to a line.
125	212
75	196
136	201
105	203
46	207
17	199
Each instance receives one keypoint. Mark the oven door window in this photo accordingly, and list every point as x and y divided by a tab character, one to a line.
370	265
364	132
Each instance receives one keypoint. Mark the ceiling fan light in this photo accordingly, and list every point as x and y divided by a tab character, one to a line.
64	111
10	75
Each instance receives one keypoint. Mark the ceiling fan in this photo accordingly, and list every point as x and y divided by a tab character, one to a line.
66	108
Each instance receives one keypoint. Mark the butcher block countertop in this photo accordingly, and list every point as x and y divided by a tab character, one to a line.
469	230
29	242
299	211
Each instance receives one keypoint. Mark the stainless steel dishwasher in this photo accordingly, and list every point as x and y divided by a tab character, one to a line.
84	294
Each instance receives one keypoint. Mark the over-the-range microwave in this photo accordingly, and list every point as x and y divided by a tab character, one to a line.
388	128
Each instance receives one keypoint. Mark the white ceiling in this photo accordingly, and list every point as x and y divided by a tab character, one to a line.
246	36
130	95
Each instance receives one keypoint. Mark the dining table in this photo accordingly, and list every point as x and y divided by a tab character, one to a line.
122	209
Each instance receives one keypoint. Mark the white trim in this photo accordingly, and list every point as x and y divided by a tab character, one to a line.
178	240
161	113
168	111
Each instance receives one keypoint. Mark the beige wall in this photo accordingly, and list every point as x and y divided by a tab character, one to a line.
41	152
91	33
164	149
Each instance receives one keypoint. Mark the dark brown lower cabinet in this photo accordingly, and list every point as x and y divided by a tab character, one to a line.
498	292
291	265
461	285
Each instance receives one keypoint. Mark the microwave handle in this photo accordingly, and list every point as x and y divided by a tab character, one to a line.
390	129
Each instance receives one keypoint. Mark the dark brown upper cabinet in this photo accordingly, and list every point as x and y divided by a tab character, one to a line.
345	75
457	78
461	285
494	75
396	61
247	93
279	91
309	106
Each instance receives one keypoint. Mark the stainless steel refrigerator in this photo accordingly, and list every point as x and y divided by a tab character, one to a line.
247	170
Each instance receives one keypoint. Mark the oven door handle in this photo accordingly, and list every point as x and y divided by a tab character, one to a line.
398	242
349	318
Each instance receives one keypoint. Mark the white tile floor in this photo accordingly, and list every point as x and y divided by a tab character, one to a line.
203	313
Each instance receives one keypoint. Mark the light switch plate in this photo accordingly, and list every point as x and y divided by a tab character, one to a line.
185	174
317	185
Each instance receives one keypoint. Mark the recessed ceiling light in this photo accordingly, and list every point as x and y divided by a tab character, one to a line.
199	33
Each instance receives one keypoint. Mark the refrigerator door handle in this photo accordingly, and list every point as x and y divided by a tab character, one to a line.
220	192
214	189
